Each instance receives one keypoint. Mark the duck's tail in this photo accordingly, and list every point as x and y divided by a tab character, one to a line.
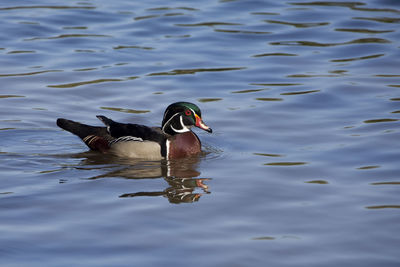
96	138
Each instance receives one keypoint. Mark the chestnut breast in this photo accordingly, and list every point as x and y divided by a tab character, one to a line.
183	145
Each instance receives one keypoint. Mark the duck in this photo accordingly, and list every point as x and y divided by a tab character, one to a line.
174	139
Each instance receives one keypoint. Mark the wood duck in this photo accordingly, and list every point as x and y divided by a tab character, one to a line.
174	139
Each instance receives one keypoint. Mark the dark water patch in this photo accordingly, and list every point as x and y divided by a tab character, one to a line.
367	31
330	3
285	164
76	84
394	85
10	96
64	36
28	73
352	5
357	58
383	207
125	110
301	92
206	100
275	55
208	24
385	183
146	17
273	99
268	155
21	52
265	13
298	25
75	28
158	16
241	31
133	47
380	120
193	71
247	91
86	69
46	7
276	84
313	75
319	44
172	8
395	99
387	75
84	51
381	19
174	14
264	238
178	36
317	182
29	22
368	167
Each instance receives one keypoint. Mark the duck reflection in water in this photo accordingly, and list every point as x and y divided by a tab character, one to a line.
180	190
179	174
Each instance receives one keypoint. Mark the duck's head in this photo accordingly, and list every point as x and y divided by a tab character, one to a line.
179	117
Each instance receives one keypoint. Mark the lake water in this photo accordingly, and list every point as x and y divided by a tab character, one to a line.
303	167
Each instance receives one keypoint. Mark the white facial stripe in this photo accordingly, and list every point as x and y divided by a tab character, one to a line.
184	128
169	121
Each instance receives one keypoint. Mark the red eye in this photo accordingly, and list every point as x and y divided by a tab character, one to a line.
188	113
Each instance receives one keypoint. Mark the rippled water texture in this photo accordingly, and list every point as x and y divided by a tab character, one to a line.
302	168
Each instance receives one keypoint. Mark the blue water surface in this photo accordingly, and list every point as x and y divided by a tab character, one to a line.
302	168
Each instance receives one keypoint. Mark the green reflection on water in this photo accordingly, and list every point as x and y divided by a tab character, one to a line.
301	92
369	167
317	44
298	25
269	99
8	96
328	3
317	182
28	73
380	120
275	54
386	183
70	85
268	155
264	238
61	36
133	46
205	100
241	31
383	207
135	111
193	71
21	52
276	84
172	8
47	7
247	91
383	20
357	58
209	24
368	31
